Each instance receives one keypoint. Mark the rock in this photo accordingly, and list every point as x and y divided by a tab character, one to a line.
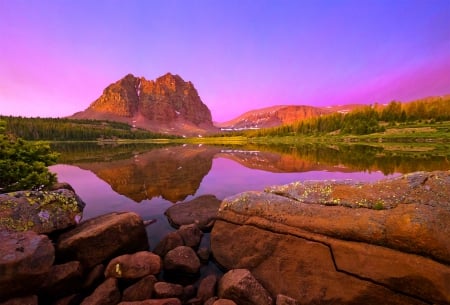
104	237
224	302
166	104
62	280
73	299
182	259
134	266
40	211
25	259
106	294
27	300
168	290
203	254
285	300
318	253
189	292
201	211
169	242
170	301
94	277
240	286
191	235
211	301
141	290
207	288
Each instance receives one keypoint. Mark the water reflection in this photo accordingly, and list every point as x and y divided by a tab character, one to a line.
142	172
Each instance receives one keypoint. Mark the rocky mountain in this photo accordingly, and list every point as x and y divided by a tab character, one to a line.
166	105
272	117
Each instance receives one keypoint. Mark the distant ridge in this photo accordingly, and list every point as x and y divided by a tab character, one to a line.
167	105
272	117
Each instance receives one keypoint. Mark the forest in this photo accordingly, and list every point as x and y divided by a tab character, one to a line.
61	129
365	120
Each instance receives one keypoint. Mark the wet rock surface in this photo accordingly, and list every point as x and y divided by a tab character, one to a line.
201	211
322	242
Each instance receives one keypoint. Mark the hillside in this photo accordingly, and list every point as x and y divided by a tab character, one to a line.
272	117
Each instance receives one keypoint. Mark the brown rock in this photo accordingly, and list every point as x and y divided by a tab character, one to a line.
201	211
289	243
106	294
285	300
73	299
25	259
40	211
240	286
27	300
62	280
211	301
182	259
141	290
191	235
170	301
189	292
203	254
207	287
224	302
133	266
94	277
168	290
169	242
91	241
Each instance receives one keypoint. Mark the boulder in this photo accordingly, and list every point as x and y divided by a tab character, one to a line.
134	266
170	301
104	237
165	290
62	280
285	300
106	294
201	211
141	290
182	259
191	235
310	242
28	300
207	288
25	259
40	211
169	242
224	302
94	277
211	301
203	254
241	286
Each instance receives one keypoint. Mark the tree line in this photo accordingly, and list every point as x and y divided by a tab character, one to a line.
364	120
62	129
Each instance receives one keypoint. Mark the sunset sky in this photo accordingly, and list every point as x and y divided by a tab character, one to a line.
57	56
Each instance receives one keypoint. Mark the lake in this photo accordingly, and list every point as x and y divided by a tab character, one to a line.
149	178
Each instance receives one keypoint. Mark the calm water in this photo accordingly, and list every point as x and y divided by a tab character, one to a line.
148	179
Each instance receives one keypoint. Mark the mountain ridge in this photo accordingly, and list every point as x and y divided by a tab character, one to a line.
165	105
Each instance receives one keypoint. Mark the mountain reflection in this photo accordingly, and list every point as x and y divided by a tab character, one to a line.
143	171
172	172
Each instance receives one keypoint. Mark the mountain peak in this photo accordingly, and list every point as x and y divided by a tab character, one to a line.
167	104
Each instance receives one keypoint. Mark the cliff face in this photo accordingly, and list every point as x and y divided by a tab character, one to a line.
168	105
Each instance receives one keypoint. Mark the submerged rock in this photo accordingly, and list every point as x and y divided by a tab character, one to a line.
201	211
315	243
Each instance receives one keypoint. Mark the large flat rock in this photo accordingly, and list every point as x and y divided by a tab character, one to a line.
322	242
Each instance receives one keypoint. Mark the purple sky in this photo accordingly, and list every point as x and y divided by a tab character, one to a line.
56	57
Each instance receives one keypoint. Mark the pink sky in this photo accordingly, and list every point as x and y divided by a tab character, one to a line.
56	57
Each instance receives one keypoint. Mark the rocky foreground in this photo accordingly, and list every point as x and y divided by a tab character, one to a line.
303	243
